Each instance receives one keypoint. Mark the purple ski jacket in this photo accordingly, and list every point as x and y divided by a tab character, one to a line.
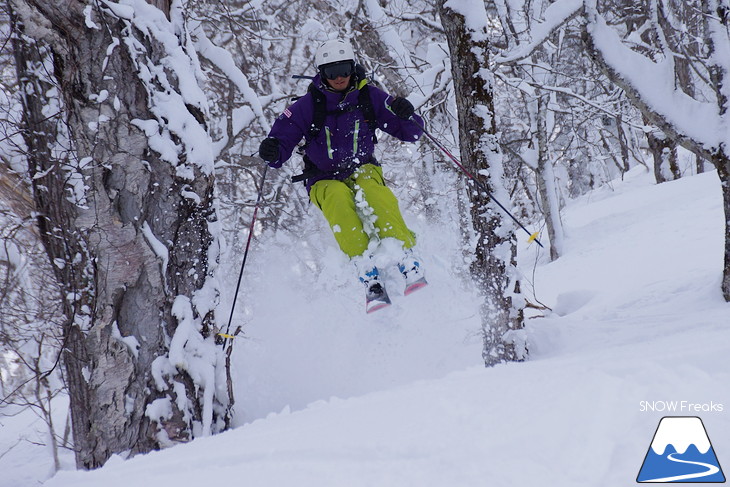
346	139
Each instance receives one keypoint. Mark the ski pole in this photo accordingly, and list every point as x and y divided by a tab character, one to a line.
227	334
533	236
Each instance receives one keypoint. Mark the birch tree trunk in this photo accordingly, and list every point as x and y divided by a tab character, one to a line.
494	265
125	199
545	178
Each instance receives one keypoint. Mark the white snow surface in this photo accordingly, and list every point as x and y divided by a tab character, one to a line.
328	396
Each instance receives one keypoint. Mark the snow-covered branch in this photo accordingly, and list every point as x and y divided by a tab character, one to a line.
651	87
556	15
224	62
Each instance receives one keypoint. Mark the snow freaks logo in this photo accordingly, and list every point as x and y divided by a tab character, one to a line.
680	452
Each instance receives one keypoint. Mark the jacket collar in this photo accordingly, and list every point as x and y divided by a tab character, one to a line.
357	84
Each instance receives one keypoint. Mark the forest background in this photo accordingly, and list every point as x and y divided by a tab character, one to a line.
129	172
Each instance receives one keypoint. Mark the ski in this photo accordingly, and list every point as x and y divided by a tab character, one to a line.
415	286
376	298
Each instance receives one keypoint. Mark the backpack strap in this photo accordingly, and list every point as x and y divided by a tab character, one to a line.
310	171
320	113
365	103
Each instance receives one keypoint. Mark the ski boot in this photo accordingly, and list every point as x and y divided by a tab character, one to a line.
376	296
410	267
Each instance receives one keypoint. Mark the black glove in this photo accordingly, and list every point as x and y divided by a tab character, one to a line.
269	149
402	108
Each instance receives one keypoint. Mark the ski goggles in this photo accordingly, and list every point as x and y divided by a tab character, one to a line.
338	70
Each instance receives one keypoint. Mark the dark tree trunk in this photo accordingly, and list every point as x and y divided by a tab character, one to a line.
127	230
722	163
494	264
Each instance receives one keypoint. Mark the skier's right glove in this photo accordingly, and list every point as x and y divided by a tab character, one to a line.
402	108
269	149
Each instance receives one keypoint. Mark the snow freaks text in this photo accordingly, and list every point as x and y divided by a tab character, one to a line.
680	407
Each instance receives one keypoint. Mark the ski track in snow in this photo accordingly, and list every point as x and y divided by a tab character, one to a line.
328	396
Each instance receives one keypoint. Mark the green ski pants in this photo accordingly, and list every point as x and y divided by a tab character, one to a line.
337	200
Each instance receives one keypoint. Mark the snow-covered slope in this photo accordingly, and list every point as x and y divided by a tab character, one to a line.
637	321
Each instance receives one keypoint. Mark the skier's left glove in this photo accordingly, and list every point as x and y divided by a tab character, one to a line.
402	108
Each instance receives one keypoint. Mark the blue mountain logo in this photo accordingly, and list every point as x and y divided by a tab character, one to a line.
681	452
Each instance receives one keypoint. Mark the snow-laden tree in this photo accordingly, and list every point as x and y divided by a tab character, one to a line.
493	269
30	331
537	72
688	103
692	112
567	122
115	124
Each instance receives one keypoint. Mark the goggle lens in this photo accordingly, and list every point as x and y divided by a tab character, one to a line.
338	70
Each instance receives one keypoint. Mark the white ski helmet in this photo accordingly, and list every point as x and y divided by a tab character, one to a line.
334	51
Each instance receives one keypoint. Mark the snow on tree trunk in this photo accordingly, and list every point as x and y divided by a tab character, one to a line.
494	266
124	189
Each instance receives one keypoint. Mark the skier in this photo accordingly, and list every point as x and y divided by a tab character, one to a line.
338	117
